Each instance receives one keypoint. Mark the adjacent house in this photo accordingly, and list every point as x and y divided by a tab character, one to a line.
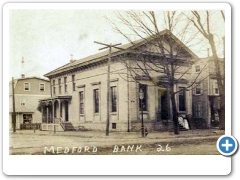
205	95
27	91
79	92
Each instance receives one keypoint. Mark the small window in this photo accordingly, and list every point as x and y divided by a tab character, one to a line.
23	102
54	90
27	118
198	89
114	125
26	86
197	68
216	91
42	87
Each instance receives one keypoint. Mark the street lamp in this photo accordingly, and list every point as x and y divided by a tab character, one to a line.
141	96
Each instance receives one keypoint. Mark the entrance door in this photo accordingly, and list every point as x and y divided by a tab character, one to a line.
66	111
164	104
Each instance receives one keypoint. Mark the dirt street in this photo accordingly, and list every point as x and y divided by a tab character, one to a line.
196	142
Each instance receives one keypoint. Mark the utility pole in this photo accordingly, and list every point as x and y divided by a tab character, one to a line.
110	46
14	112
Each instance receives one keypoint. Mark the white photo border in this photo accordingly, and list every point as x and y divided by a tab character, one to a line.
117	164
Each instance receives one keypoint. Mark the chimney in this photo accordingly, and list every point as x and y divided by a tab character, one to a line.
22	69
71	60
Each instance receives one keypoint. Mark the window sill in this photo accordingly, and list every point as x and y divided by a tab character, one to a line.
144	112
113	113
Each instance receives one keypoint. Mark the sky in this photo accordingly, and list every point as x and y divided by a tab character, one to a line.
46	38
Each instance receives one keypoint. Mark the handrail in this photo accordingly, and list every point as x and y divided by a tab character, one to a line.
62	125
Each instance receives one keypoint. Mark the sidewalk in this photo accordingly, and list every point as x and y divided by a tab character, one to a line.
126	135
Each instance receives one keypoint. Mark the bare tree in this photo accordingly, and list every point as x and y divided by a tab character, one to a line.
159	56
202	22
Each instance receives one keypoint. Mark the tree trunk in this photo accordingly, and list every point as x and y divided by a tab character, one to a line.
174	113
220	82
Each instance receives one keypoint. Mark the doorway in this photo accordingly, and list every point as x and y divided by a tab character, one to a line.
165	107
66	110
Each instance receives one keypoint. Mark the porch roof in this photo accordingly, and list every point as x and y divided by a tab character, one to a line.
68	97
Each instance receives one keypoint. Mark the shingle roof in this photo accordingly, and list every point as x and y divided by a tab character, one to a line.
104	54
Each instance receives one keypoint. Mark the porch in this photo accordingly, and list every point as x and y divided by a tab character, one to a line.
55	112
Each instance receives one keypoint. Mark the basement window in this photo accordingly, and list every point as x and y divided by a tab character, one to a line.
114	125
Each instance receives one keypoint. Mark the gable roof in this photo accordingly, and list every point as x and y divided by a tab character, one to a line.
104	54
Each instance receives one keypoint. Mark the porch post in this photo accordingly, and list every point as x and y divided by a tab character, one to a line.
53	109
60	114
47	115
42	113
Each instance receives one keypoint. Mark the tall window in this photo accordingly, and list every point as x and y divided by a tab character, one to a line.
143	102
54	87
96	100
113	99
59	86
198	89
26	86
197	110
81	102
182	99
42	87
216	88
65	84
73	82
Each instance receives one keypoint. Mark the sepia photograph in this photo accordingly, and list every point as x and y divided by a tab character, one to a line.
116	82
